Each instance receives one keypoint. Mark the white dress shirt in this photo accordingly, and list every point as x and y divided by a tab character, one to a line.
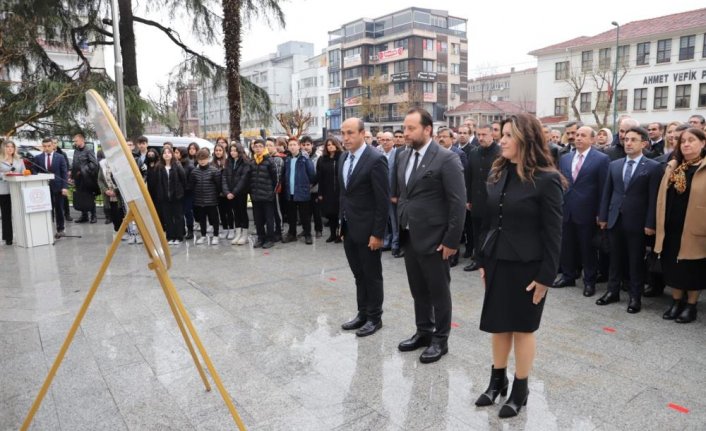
359	152
410	164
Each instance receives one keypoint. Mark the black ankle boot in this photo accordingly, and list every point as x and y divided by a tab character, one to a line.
497	386
688	315
674	310
517	399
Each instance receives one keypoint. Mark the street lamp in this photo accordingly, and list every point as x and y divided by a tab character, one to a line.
615	77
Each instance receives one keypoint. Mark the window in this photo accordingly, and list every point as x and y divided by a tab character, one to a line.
661	98
561	70
455	69
439	21
334	58
427	66
400	87
624	55
683	97
427	87
604	58
352	92
382	69
456	48
664	50
455	88
686	47
401	43
585	104
442	47
622	100
401	66
428	44
334	80
351	73
441	67
353	52
643	54
587	61
560	105
640	100
602	102
442	87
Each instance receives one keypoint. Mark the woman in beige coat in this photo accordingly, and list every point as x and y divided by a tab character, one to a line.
681	225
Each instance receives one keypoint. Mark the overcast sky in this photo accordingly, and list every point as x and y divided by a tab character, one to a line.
500	34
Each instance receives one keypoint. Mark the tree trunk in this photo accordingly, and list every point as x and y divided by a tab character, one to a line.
232	39
128	53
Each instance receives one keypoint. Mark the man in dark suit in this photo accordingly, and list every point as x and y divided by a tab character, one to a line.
479	165
431	210
364	209
392	231
586	170
444	138
53	163
655	148
628	212
467	141
570	132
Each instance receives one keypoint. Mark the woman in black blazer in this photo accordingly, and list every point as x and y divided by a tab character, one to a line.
519	256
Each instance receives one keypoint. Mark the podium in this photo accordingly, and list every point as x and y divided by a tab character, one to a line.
32	223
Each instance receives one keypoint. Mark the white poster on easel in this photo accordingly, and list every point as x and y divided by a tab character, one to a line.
37	199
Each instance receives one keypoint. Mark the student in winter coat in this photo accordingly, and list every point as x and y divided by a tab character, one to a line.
225	210
297	177
263	181
187	164
205	181
170	184
329	190
236	183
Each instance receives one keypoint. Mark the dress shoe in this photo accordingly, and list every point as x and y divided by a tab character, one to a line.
68	217
93	219
59	234
356	323
369	328
319	234
652	291
189	235
674	310
634	305
517	399
564	282
268	244
289	238
497	386
434	352
8	242
453	260
258	244
331	238
608	298
687	315
396	252
415	342
108	221
308	240
589	290
473	266
81	220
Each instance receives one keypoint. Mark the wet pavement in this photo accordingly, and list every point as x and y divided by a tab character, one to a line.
271	322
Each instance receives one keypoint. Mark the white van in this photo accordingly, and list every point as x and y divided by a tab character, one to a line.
178	141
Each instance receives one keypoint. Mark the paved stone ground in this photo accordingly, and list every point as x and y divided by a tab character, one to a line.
271	323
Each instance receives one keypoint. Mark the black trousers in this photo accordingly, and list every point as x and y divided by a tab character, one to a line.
627	257
202	213
304	210
264	214
332	223
173	212
316	213
367	270
476	225
6	212
468	236
67	208
239	206
188	206
577	249
225	212
429	277
117	213
57	208
281	214
106	206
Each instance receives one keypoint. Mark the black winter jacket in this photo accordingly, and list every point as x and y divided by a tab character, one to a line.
263	180
205	182
170	187
236	177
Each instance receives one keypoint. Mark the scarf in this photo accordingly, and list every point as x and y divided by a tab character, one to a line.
259	158
677	179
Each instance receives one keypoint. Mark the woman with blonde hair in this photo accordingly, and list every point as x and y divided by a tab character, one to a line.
11	163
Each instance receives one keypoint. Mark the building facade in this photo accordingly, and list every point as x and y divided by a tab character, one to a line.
379	68
515	86
310	93
273	73
661	72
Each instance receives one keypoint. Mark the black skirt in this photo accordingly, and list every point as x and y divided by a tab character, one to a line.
507	306
681	274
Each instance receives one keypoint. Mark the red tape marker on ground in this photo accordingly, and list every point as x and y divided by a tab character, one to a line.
454	325
678	408
332	279
608	329
267	253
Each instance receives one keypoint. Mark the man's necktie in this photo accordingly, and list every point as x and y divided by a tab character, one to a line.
628	173
49	162
350	169
414	166
578	166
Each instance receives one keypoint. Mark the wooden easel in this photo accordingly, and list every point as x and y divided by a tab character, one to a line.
178	310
